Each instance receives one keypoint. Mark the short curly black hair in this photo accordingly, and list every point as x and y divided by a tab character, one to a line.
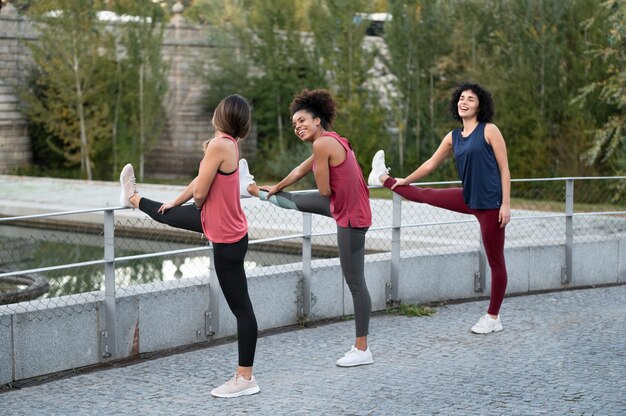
485	102
320	103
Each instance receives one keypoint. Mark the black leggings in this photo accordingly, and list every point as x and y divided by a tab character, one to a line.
351	244
228	267
186	217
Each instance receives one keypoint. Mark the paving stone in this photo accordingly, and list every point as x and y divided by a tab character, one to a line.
560	353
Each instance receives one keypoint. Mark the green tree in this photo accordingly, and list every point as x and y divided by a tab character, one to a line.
142	85
531	54
417	42
609	144
512	55
98	87
348	63
403	61
70	56
527	53
276	47
261	55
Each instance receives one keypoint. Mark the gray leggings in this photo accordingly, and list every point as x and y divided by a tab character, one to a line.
351	244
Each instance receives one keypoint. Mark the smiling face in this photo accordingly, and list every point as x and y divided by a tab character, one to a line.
468	105
305	126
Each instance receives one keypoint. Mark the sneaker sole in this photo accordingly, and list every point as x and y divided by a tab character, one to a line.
356	364
247	392
487	333
122	202
372	182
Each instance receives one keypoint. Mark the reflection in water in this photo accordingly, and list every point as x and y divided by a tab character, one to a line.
25	248
22	287
179	268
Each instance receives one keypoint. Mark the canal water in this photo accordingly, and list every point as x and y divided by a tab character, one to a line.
23	248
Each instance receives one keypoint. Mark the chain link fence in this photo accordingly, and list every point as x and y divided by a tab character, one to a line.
55	263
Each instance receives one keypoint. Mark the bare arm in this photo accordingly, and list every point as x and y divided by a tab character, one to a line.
442	153
322	151
184	196
495	139
294	176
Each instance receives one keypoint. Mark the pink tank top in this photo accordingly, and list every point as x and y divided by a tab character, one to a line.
223	220
349	197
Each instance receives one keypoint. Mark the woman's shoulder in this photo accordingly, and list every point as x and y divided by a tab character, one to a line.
220	143
491	128
218	146
325	141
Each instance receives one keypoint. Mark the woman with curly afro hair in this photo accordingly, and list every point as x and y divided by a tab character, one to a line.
481	160
342	194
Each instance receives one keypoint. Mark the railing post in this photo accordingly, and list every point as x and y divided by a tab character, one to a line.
212	316
107	336
304	304
396	245
567	270
480	277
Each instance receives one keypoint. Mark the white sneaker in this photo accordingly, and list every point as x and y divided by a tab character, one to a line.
356	357
245	178
129	188
237	386
486	325
378	169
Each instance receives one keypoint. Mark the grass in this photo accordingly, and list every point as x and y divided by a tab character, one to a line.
528	204
381	193
412	310
559	206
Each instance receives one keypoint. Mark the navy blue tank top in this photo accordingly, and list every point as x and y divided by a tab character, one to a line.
478	169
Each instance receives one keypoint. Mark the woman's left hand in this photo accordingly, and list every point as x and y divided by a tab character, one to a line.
270	189
166	206
504	217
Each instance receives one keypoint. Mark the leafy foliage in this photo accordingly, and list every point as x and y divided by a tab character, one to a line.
347	63
70	104
556	70
95	94
609	144
141	87
393	92
417	58
268	67
412	310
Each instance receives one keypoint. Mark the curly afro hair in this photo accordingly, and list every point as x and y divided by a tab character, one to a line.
485	102
319	103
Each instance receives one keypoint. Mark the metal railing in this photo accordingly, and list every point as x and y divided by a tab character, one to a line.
543	213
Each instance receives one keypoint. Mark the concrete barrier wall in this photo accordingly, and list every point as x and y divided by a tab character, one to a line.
7	360
38	342
621	266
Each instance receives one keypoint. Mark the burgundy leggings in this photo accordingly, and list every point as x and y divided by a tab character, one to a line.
493	236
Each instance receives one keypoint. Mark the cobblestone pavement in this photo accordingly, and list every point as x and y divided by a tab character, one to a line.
560	353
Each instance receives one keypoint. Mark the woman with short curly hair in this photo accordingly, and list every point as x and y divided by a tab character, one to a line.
481	160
